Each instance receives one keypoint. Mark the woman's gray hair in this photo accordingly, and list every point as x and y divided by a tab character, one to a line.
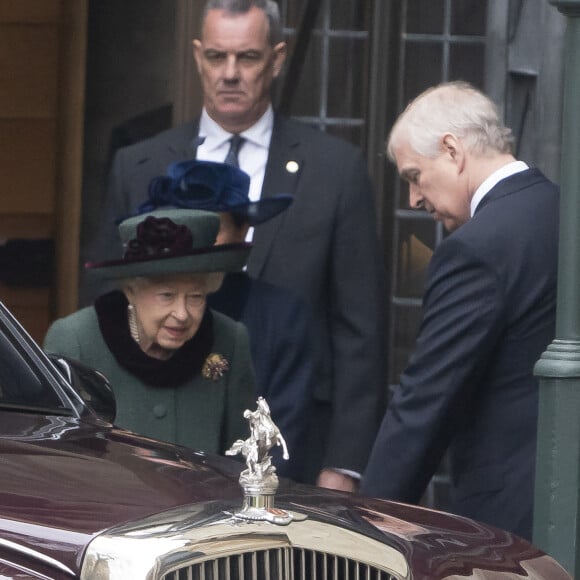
211	281
457	108
270	8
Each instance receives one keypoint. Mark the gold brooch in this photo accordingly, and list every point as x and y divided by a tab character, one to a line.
215	367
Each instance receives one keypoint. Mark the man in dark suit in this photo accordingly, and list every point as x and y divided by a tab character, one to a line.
324	248
489	313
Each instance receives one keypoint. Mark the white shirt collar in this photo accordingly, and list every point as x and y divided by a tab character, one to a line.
215	136
489	183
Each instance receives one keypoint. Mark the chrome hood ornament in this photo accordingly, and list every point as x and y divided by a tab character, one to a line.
259	481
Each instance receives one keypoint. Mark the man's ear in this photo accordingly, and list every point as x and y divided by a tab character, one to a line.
197	53
280	51
129	292
453	147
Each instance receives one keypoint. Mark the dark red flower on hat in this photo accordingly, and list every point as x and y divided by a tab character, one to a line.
159	237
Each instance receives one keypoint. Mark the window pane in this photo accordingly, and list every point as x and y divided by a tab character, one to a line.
349	15
291	13
404	194
425	16
416	242
347	86
466	63
307	94
423	68
19	385
468	17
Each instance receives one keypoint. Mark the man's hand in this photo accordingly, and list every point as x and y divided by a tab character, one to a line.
332	479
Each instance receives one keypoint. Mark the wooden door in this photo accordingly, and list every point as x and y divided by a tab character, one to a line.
41	118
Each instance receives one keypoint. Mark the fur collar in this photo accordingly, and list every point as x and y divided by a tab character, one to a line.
187	361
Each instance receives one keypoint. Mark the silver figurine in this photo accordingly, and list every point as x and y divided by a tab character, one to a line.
259	480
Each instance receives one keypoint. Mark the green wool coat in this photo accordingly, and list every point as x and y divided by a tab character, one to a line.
204	414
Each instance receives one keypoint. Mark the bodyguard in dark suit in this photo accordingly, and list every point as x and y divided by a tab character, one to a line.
489	313
324	248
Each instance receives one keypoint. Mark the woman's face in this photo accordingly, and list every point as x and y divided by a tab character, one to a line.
168	311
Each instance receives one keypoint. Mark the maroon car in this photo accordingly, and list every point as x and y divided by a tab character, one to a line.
80	498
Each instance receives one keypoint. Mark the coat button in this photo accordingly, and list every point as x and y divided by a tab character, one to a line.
159	411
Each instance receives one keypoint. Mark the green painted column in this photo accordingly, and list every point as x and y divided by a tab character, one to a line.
557	506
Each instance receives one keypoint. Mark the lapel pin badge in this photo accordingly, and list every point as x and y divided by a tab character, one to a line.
292	167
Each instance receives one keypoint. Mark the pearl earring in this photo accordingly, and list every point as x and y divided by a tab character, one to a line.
133	323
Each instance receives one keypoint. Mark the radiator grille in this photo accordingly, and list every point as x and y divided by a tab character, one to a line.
280	564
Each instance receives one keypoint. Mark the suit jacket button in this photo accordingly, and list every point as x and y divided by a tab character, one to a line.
159	411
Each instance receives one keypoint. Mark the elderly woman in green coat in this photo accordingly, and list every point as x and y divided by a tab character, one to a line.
180	372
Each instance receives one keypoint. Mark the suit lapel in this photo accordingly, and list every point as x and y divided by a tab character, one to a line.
283	171
186	146
179	146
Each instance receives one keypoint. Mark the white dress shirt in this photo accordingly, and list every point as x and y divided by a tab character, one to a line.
253	154
489	183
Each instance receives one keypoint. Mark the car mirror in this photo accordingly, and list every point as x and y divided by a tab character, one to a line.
92	386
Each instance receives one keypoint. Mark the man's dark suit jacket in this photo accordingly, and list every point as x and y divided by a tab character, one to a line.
279	326
324	248
489	313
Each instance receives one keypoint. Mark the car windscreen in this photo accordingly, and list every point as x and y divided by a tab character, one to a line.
22	385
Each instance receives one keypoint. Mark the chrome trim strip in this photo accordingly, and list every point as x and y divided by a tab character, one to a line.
36	555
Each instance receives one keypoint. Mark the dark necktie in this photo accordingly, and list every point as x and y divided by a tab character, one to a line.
232	157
